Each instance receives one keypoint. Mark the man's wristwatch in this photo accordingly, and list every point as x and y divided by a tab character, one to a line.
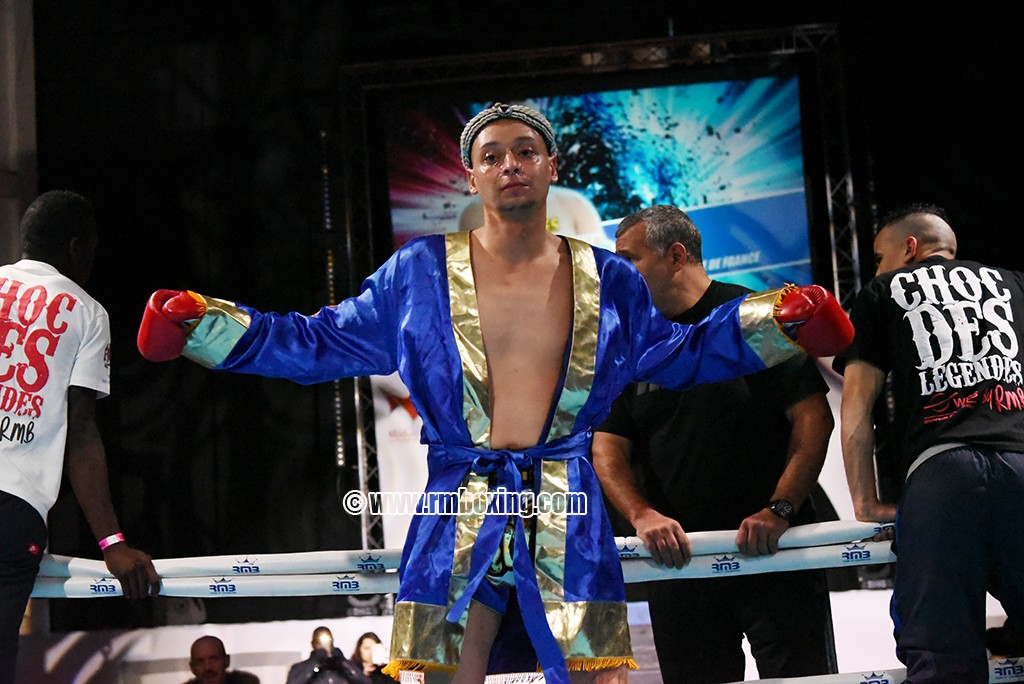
782	508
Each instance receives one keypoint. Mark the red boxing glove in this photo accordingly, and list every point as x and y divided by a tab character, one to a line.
821	326
168	319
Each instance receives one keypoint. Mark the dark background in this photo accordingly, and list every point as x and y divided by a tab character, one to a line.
195	129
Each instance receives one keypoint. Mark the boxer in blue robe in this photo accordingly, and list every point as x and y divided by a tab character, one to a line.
513	343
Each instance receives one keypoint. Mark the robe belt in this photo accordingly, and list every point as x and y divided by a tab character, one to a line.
506	466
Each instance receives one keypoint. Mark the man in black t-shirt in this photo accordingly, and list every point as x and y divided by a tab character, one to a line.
949	332
738	455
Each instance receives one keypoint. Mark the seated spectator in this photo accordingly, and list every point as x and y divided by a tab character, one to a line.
210	662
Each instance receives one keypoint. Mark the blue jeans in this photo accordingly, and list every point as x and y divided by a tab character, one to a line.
959	534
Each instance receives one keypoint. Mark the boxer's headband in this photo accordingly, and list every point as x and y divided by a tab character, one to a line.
530	117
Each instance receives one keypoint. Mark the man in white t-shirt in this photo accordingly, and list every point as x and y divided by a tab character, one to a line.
54	364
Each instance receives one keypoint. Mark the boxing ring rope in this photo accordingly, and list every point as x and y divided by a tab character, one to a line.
318	573
321	573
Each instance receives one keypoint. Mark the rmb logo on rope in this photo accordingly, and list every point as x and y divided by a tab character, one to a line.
875	679
346	583
223	585
627	551
370	564
1011	667
103	586
246	567
725	564
856	553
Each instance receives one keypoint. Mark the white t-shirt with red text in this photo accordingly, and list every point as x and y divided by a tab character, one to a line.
52	335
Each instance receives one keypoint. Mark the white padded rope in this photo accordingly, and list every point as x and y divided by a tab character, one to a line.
381	560
729	564
1008	670
217	586
999	670
263	583
322	573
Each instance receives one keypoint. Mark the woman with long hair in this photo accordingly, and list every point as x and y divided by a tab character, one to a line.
363	657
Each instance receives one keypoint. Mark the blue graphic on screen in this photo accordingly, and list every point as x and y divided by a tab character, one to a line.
729	153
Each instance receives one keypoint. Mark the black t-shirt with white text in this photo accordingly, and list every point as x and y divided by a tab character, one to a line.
949	331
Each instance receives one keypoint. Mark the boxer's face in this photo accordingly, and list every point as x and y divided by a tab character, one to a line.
511	167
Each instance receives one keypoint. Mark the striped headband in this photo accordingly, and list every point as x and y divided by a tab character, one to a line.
530	117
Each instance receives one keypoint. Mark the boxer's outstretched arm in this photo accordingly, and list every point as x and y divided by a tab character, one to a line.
814	319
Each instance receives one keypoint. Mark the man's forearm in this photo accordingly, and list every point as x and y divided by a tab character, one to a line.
87	472
862	386
611	462
859	463
812	425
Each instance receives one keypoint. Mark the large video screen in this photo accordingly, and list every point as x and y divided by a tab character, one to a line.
730	152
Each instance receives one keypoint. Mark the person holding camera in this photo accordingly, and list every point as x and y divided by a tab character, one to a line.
325	664
371	656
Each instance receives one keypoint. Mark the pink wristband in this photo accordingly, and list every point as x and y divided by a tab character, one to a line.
112	539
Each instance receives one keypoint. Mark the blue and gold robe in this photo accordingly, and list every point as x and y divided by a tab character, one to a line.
418	315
